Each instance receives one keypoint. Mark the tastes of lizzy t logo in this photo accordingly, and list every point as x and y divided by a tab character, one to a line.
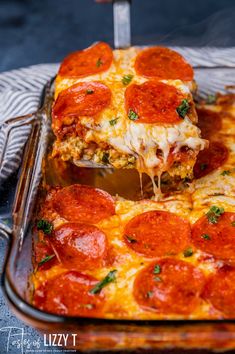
16	341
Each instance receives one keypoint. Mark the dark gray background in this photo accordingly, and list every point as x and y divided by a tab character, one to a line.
41	31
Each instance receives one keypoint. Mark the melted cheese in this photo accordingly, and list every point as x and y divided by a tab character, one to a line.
191	204
120	302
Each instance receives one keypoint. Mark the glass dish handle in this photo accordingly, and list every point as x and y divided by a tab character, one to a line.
5	130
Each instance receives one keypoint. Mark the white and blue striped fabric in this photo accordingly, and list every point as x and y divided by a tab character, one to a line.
20	92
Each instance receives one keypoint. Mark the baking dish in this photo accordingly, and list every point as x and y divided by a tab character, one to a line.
98	334
92	334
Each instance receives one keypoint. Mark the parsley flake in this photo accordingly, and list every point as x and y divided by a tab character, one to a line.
105	157
157	279
233	223
203	166
149	294
99	63
206	237
157	269
131	239
225	173
127	79
211	99
183	108
188	252
112	122
46	259
132	115
110	277
214	213
45	226
90	92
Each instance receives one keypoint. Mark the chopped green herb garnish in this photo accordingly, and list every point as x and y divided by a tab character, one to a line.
46	259
105	157
206	237
225	173
157	279
89	91
233	223
99	63
183	108
203	166
45	226
131	239
132	115
110	277
211	99
214	213
157	269
127	79
188	252
186	180
149	294
113	121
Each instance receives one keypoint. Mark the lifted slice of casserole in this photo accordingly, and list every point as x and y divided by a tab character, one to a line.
127	108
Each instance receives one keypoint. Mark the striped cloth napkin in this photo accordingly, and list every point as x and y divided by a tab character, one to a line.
20	92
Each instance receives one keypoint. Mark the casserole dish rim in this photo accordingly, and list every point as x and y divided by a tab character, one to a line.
19	304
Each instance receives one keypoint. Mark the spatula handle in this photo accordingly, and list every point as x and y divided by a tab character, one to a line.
122	23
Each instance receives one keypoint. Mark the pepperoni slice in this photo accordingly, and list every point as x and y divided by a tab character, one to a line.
209	122
157	233
81	99
80	245
169	286
210	159
183	155
217	239
220	290
153	102
80	203
163	63
90	61
68	294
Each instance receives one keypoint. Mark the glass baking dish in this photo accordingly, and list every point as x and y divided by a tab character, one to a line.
92	334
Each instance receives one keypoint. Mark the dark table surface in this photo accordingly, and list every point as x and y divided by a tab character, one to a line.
41	31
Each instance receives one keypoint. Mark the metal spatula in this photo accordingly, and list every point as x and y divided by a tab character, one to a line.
122	39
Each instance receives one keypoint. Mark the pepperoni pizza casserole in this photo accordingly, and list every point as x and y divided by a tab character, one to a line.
104	256
127	108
